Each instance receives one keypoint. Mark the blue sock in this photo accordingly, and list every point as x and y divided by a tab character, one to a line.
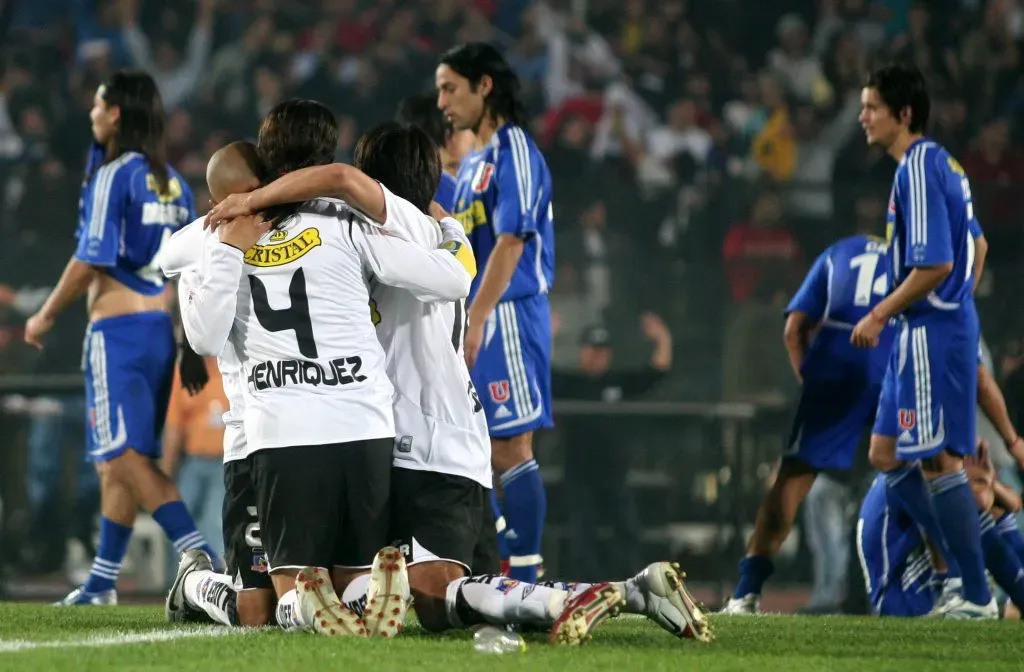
525	507
958	513
179	527
907	484
1001	561
754	571
106	565
1007	526
501	526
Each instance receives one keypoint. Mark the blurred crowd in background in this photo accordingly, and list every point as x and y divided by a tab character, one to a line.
703	151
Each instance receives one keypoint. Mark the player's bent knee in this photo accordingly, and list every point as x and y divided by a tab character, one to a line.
256	607
882	453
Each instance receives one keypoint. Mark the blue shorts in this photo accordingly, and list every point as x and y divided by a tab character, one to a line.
830	422
129	368
930	392
512	373
898	572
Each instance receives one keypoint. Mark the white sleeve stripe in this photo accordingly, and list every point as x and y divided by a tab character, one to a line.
525	149
101	194
918	197
517	164
521	163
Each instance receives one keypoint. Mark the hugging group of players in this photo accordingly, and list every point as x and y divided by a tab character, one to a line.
358	456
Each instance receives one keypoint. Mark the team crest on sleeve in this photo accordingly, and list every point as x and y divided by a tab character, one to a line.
482	177
499	391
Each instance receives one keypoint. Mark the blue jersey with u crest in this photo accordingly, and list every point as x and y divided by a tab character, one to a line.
929	394
505	188
124	219
930	222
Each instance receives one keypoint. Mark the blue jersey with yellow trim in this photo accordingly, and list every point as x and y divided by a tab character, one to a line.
930	218
123	220
505	188
846	281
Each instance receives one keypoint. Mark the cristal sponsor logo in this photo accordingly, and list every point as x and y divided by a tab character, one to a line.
279	254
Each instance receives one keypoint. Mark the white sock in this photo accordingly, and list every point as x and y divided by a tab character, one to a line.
636	603
289	617
354	596
499	600
213	593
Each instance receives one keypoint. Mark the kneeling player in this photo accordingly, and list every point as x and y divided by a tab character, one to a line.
232	169
840	393
441	460
902	576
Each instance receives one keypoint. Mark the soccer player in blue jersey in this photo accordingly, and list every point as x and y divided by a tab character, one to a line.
840	387
929	394
503	199
903	575
132	201
452	145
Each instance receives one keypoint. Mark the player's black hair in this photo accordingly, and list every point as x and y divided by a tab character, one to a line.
297	134
421	110
902	86
402	158
141	125
476	59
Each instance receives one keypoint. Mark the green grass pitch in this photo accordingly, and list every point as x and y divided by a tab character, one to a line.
37	637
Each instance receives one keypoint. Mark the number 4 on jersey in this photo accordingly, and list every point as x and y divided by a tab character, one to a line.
294	317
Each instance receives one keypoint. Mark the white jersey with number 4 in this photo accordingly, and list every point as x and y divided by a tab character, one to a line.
312	367
439	423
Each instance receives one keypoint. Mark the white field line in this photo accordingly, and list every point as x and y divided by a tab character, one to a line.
123	638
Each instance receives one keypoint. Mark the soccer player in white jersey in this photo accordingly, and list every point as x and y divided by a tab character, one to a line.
441	462
318	420
232	169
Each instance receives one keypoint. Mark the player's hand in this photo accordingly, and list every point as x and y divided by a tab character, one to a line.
192	369
1016	448
865	334
474	339
235	205
36	328
654	328
243	232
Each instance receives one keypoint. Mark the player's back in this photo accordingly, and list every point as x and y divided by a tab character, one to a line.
439	423
847	280
505	188
313	368
929	223
126	217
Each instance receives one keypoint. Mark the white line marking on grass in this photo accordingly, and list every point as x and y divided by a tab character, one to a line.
123	638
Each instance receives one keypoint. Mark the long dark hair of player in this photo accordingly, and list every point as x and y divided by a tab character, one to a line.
140	127
902	86
476	59
297	134
403	158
